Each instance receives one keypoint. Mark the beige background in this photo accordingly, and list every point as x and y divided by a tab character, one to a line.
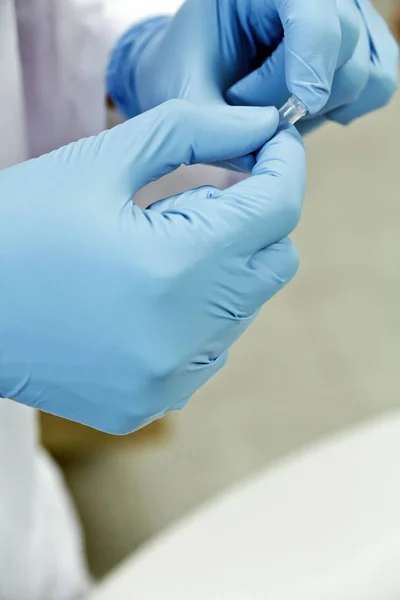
323	355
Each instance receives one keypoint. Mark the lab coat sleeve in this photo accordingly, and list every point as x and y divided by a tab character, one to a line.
102	27
65	47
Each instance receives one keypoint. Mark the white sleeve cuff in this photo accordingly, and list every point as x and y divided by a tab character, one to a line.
65	48
103	25
119	15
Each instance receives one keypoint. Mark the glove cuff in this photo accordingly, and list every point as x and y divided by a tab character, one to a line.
120	77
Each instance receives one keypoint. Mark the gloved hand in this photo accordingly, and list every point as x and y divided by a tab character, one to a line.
111	315
336	56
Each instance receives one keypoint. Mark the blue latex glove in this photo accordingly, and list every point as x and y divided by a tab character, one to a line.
336	56
111	315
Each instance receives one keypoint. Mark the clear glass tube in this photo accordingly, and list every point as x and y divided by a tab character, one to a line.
291	112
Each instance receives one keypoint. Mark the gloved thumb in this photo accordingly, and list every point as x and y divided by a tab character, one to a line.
266	86
180	132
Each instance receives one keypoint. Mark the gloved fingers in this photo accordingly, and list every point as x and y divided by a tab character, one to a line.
268	85
263	276
383	69
196	374
351	79
199	371
384	48
312	47
312	40
253	280
377	94
247	217
256	281
271	270
180	132
175	204
351	27
264	208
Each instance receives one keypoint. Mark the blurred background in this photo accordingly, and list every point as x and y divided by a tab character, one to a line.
322	356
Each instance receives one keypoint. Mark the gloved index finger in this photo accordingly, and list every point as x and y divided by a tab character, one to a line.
266	207
312	45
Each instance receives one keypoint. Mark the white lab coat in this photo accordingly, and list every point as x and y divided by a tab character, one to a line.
53	55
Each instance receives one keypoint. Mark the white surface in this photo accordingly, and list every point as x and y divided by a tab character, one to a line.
323	526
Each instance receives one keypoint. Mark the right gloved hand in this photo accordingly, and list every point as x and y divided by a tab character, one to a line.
337	56
111	315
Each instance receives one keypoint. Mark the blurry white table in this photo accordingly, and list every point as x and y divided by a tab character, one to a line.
324	525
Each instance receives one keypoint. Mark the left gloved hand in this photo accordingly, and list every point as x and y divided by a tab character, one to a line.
337	56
